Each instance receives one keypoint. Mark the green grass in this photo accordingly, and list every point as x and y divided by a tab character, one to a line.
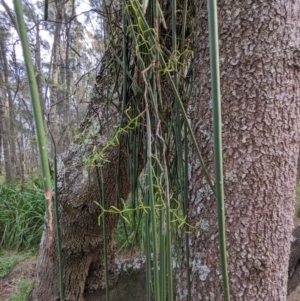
21	215
23	290
8	259
7	263
21	285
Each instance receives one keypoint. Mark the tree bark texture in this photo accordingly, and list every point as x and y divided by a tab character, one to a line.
82	239
259	68
294	261
298	168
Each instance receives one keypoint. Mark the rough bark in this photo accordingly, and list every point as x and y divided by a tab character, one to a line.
78	191
82	236
294	261
259	61
298	168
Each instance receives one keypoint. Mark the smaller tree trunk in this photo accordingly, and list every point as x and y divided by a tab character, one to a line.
10	124
20	166
5	140
82	237
68	133
54	115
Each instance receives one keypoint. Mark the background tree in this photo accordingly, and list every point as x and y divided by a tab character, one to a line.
7	107
21	148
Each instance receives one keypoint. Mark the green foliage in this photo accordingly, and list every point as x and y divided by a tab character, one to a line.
21	215
23	290
155	89
2	179
131	231
7	263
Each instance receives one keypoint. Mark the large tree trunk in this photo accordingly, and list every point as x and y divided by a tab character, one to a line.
259	62
81	235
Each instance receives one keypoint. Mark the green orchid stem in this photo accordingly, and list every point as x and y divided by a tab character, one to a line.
41	137
35	100
217	126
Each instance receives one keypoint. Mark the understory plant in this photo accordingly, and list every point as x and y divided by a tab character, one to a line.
21	215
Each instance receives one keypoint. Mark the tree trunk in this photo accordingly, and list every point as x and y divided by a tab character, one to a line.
11	124
54	114
259	65
5	138
81	235
298	167
21	163
82	239
68	133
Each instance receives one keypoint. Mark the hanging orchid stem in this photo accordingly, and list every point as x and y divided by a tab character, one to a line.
41	137
100	181
35	101
156	48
